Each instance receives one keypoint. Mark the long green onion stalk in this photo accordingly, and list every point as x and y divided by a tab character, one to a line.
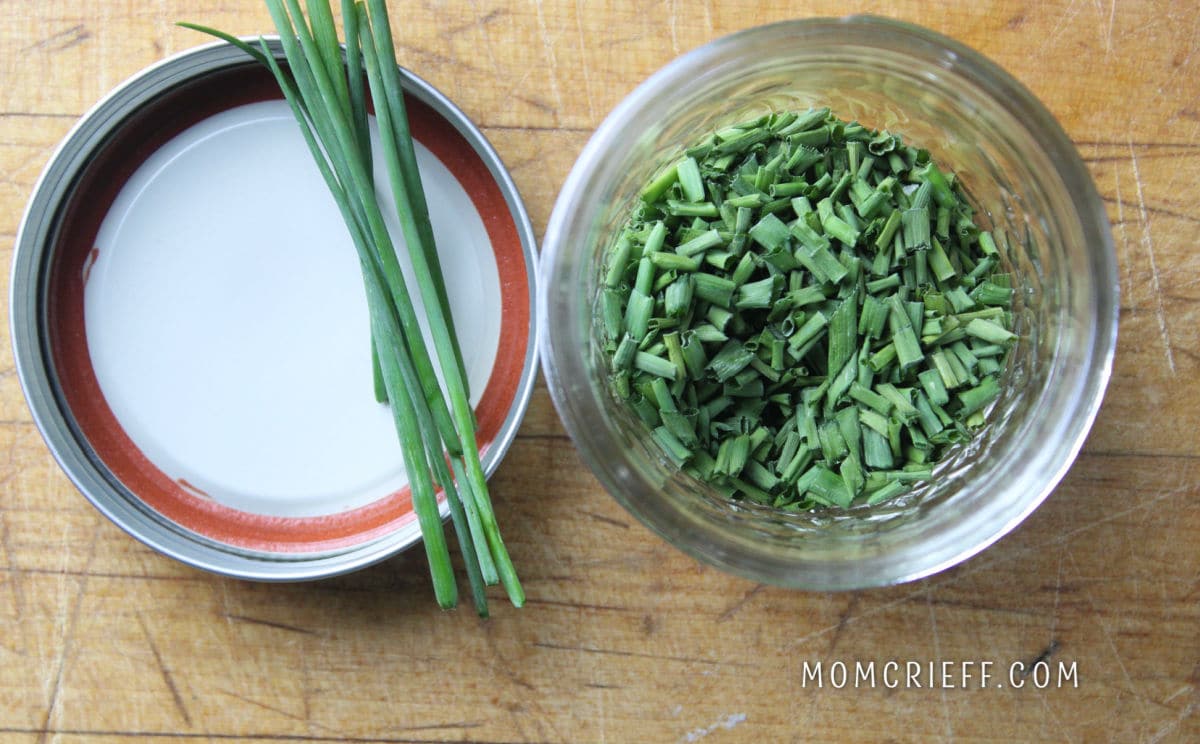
324	85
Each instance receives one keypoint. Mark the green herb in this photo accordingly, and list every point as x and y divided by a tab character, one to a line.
324	87
815	318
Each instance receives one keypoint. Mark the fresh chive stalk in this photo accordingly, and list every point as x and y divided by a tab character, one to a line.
323	84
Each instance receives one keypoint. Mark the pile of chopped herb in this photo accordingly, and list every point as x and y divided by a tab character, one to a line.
805	313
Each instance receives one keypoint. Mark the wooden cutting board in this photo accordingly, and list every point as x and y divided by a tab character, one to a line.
624	639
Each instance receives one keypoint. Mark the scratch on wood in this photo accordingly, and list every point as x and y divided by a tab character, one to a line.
1112	18
843	620
503	665
582	51
166	673
548	46
1148	245
1166	730
269	624
1155	155
1181	691
673	23
264	706
739	604
480	22
540	106
122	735
1125	246
35	115
65	39
575	605
14	581
1155	145
1152	209
1107	633
980	565
937	654
68	639
1062	729
1066	20
439	58
1106	29
640	655
605	520
1058	583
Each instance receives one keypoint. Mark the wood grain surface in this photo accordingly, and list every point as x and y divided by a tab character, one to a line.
624	639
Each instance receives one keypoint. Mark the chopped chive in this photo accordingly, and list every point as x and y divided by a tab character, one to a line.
673	262
671	445
833	225
709	334
843	335
987	244
715	289
743	270
769	232
916	228
700	243
942	269
934	386
678	296
870	398
623	357
891	281
818	260
829	486
758	294
898	399
979	396
655	365
812	327
908	348
688	173
889	491
729	361
990	294
692	209
618	261
655	190
989	331
637	315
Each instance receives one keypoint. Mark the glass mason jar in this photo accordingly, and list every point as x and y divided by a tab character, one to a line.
1028	184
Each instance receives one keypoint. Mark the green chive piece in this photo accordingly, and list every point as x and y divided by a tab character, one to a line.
730	360
679	296
758	294
770	232
715	289
700	243
655	365
908	348
637	315
661	184
688	173
989	331
979	396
